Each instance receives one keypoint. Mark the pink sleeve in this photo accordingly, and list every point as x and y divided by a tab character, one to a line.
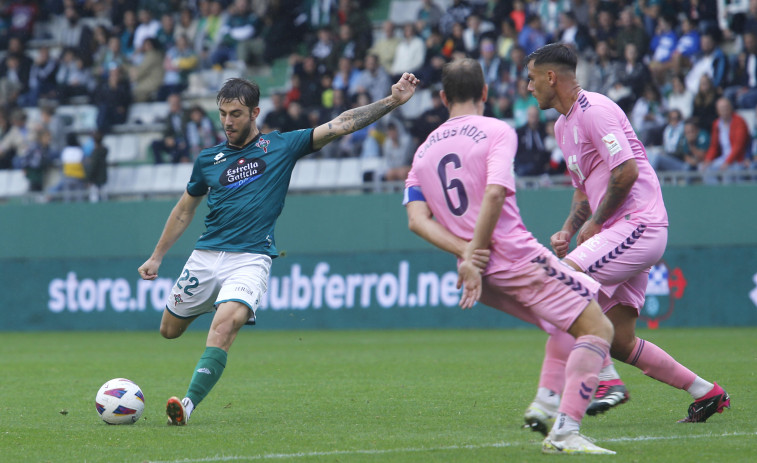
499	161
608	136
412	179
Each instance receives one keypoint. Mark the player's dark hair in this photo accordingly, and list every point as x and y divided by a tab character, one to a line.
248	93
463	80
557	54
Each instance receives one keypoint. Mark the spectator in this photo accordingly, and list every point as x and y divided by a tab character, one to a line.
455	14
127	32
532	156
324	49
166	34
677	154
309	82
600	75
186	26
429	119
373	79
147	76
277	118
729	143
112	98
743	91
711	61
15	142
73	34
549	11
489	61
349	46
209	32
298	118
410	53
532	36
522	102
556	157
72	184
237	37
454	45
74	78
572	32
397	151
630	31
52	123
475	31
606	31
663	47
147	28
346	76
350	12
518	15
648	116
428	17
704	109
112	58
506	39
37	160
679	97
173	141
631	75
13	83
200	132
96	165
386	46
687	47
179	61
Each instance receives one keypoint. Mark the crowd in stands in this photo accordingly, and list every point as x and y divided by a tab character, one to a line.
685	78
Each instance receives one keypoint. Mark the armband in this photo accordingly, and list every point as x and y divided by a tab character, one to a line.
412	193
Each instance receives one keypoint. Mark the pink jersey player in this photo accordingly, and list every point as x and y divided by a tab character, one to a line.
460	196
619	221
453	183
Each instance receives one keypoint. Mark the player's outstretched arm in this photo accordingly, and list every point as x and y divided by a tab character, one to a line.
357	118
178	221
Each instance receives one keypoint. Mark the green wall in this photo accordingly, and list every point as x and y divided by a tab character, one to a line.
350	262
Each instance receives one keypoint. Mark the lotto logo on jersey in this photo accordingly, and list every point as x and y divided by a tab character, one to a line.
244	171
611	142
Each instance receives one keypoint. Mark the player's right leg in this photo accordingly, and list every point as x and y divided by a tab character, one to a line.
593	333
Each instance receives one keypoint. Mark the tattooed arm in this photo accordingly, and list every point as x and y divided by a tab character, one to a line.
621	181
580	211
357	118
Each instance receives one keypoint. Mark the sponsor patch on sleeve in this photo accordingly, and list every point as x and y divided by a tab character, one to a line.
612	144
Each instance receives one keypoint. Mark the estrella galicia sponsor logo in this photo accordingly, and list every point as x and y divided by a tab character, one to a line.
243	171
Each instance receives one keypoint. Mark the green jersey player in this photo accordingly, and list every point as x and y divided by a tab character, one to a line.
246	181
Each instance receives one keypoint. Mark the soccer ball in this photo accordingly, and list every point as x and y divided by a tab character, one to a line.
120	401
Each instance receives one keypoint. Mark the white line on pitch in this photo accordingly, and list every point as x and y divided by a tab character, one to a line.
279	456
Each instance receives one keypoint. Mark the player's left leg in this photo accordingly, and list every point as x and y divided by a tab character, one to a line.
228	320
709	398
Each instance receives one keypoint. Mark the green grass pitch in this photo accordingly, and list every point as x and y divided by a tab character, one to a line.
354	396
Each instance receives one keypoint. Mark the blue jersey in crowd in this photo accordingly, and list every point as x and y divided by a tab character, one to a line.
246	188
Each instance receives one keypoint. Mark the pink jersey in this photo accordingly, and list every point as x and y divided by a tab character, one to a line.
452	168
595	137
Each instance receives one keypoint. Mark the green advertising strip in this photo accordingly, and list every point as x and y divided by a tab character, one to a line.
364	291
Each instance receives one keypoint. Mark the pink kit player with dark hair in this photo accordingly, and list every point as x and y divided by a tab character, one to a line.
460	196
620	223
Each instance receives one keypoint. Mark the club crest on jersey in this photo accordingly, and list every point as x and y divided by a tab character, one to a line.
243	171
262	143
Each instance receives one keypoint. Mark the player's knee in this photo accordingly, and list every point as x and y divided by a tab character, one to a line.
170	332
622	345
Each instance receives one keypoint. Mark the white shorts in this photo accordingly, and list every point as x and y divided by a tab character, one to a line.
210	278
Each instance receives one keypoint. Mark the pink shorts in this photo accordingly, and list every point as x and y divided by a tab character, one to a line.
620	258
545	292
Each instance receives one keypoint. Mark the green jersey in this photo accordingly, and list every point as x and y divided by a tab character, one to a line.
246	188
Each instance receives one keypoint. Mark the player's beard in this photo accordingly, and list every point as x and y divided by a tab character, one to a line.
238	138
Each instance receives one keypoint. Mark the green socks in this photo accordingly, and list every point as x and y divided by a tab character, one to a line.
207	373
